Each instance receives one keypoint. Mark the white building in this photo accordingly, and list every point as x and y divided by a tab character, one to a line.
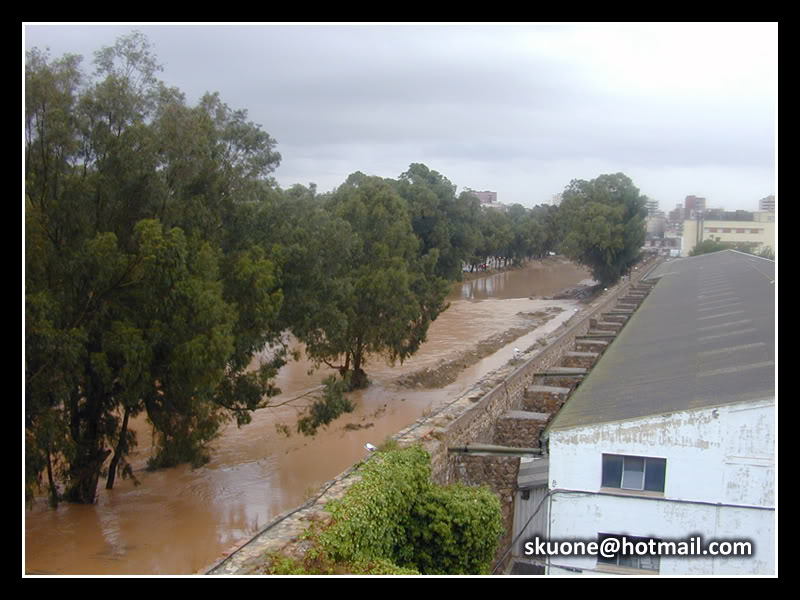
672	434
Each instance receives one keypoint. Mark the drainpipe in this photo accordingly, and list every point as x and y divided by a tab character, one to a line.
494	450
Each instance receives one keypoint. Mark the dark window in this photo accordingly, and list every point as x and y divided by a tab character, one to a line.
649	562
634	472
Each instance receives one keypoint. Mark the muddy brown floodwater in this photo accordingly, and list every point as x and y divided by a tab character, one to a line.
181	520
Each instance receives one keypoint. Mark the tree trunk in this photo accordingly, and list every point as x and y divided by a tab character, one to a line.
122	447
51	482
359	378
85	467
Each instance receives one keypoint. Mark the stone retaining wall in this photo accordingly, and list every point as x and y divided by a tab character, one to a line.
544	399
520	429
469	419
500	474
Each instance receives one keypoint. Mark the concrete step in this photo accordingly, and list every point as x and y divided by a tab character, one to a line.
561	371
607	326
520	428
544	398
609	318
589	345
584	360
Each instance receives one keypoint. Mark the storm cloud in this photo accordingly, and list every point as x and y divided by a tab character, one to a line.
519	109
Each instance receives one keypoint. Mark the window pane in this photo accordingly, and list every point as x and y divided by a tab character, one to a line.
654	475
633	473
612	470
612	560
649	562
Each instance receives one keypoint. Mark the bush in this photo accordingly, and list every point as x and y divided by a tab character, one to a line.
395	517
454	530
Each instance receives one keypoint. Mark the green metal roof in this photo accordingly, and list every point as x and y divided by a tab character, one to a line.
705	336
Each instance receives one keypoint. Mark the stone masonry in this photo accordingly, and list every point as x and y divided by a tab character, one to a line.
520	428
544	398
500	474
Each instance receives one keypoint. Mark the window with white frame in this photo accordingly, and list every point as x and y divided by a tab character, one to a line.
645	562
634	472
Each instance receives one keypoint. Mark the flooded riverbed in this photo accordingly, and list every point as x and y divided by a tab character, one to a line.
181	520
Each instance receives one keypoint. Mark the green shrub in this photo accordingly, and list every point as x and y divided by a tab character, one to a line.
369	521
396	518
454	530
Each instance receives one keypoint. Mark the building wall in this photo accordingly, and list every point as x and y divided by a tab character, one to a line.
730	231
486	197
719	484
767	204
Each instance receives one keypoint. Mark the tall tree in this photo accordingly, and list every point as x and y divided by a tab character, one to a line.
381	293
605	224
441	219
145	289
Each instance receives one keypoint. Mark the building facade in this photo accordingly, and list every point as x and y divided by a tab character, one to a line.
671	436
485	197
706	473
757	233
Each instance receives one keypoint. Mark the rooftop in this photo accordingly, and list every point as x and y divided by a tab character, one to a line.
705	336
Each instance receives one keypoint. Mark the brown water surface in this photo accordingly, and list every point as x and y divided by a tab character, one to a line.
181	520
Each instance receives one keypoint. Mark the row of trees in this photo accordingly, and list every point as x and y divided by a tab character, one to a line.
715	245
161	257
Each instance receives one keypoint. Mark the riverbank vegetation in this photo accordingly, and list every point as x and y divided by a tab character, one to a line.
161	257
708	246
395	520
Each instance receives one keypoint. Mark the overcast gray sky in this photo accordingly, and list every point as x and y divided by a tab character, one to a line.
520	109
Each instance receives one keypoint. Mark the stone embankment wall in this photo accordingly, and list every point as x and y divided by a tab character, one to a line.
500	474
472	418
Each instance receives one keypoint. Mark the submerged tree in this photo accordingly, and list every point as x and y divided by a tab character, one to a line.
380	294
145	290
440	219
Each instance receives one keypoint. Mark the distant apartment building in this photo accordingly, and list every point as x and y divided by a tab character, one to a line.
692	205
675	217
656	226
652	207
767	204
485	197
754	229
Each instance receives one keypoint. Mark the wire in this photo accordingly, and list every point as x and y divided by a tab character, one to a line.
524	527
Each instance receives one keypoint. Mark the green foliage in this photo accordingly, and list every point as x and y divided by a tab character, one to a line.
145	288
604	221
766	252
332	405
453	531
396	513
440	219
712	245
377	295
708	246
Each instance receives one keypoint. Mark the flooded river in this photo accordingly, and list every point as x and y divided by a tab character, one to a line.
181	520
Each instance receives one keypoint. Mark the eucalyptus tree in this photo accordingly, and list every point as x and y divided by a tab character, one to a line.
379	292
439	218
605	225
146	288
